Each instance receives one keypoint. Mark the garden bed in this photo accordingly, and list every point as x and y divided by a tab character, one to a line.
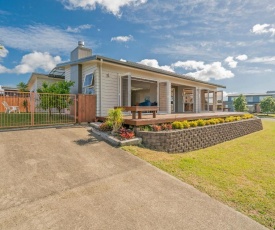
114	140
189	139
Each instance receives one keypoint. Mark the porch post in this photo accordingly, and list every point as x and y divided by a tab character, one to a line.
214	101
198	100
129	90
158	95
168	99
208	100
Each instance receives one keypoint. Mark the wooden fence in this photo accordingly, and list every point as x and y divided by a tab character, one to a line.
86	105
16	101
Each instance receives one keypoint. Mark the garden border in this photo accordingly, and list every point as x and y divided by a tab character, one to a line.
185	140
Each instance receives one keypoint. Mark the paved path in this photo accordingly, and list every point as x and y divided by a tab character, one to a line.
67	179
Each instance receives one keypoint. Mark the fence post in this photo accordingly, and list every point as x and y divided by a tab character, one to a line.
32	107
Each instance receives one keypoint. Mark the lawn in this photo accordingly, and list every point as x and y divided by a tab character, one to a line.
240	173
264	115
24	119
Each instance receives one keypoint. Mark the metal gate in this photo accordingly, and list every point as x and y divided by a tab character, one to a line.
25	109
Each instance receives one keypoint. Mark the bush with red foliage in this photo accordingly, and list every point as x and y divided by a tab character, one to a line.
126	133
156	128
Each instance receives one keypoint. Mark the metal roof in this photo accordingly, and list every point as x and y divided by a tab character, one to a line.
135	65
250	94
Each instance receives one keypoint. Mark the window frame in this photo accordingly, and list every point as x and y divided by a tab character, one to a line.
86	88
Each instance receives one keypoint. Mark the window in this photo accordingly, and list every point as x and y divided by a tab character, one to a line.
249	98
88	84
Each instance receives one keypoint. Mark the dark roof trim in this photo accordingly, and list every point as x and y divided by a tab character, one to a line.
135	65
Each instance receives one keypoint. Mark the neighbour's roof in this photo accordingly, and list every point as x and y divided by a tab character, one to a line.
134	65
41	75
8	88
250	94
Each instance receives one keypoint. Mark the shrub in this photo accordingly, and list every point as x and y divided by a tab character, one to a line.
229	119
214	121
105	127
156	128
126	133
115	117
146	128
238	118
166	127
201	122
221	120
193	123
207	122
185	124
247	116
177	125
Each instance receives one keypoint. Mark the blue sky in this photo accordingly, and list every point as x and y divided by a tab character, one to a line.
229	42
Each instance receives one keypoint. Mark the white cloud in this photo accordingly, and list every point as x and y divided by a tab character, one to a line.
40	38
32	62
264	60
263	29
122	38
79	28
37	60
231	62
154	63
205	71
242	57
123	60
3	52
112	6
3	69
189	65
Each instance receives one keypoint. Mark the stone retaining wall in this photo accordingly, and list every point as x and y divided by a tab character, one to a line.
200	137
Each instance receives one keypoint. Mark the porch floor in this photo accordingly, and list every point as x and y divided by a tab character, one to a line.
167	118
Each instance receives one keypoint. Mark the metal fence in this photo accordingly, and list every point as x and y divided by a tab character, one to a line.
23	109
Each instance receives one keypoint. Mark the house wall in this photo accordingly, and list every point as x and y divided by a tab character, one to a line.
68	73
33	87
39	82
107	80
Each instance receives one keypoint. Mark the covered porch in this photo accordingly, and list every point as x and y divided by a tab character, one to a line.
169	97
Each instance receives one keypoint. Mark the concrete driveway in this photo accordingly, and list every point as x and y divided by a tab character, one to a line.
67	179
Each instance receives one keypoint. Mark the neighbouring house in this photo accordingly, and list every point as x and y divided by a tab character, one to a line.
36	79
124	83
253	100
8	91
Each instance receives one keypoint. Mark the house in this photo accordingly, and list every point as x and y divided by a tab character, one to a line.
124	83
253	100
8	91
36	79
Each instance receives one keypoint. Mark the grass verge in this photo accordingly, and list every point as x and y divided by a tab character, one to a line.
25	119
240	173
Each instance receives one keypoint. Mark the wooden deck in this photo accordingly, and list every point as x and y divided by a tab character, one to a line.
168	118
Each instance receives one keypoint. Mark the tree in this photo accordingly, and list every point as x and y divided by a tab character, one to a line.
22	87
51	95
267	105
240	104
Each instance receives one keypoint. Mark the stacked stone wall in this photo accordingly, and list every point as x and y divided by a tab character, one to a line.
200	137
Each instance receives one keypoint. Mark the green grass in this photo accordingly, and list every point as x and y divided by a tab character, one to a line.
240	173
263	115
24	119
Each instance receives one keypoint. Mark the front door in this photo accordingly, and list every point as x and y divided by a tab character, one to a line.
173	100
